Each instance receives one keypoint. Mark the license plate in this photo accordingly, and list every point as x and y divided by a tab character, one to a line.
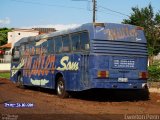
122	79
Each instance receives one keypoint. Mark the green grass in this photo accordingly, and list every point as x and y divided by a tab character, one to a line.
5	75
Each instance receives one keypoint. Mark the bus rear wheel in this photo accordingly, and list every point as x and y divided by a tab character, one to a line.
60	88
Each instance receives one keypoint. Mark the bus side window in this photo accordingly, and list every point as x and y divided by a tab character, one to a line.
29	50
66	43
58	44
38	50
44	47
75	42
51	45
22	50
84	39
15	54
31	47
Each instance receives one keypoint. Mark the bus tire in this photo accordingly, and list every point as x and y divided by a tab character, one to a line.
145	94
20	81
60	88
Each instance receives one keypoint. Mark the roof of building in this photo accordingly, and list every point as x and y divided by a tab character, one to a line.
24	30
8	45
45	30
40	30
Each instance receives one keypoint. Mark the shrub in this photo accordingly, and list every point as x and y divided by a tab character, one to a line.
154	71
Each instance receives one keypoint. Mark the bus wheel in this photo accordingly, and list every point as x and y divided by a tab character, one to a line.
20	81
61	92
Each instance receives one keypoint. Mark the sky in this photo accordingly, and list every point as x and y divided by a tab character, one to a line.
63	14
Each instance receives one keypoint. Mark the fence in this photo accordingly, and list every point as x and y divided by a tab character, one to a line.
6	58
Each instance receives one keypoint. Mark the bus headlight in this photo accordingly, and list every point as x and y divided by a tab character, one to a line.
103	74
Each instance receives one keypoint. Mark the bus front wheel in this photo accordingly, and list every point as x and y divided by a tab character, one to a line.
20	81
61	92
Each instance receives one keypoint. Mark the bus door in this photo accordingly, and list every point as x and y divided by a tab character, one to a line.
84	81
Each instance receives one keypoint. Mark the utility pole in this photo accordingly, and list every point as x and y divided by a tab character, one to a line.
94	10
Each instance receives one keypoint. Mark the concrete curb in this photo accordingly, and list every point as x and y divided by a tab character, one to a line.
154	90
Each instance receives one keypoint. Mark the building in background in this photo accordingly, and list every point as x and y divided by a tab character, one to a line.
14	36
157	57
45	30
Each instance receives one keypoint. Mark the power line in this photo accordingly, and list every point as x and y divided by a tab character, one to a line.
72	7
94	8
55	5
114	11
104	12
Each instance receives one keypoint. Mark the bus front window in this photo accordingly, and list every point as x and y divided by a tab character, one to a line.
15	54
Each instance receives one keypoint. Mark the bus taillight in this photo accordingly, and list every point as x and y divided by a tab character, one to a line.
103	74
143	75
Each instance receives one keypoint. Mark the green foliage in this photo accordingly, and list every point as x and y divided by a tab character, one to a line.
146	18
5	75
3	35
154	71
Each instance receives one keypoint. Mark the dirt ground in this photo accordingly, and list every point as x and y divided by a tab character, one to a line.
82	105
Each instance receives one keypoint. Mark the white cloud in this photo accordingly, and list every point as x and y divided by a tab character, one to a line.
5	21
56	26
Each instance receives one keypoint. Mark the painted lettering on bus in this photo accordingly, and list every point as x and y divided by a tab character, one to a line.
121	33
16	69
39	66
39	82
67	64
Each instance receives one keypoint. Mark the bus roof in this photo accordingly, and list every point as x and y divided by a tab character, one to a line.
83	27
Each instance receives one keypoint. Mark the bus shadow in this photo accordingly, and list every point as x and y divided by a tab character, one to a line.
101	95
1	83
104	95
39	89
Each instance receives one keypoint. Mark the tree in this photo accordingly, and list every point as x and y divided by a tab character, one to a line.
145	18
3	35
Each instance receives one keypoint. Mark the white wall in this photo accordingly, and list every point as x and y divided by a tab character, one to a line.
16	35
5	66
157	57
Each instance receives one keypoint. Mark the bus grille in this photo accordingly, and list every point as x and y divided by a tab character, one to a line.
119	47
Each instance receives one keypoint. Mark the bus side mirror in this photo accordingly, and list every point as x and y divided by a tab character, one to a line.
86	46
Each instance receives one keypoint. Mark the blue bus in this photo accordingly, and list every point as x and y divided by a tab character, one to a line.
93	55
